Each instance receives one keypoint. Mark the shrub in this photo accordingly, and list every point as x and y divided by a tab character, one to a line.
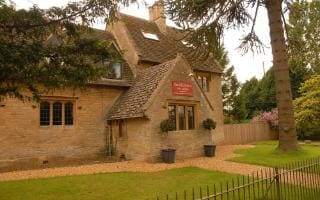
167	125
269	117
209	124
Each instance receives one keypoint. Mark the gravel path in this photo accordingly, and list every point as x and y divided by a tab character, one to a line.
217	163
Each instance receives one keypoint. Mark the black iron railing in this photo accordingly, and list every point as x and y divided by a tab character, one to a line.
294	181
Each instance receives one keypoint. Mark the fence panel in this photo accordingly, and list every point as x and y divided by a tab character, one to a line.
295	181
246	133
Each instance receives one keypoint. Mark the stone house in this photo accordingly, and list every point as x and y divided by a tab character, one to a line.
122	113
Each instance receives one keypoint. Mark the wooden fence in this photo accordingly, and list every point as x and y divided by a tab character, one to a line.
246	133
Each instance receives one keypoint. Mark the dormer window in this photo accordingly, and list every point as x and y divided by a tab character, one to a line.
114	70
150	36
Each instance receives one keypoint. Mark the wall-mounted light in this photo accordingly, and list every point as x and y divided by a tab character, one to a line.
2	105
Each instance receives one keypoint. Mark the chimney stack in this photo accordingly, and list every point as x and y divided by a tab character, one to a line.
156	14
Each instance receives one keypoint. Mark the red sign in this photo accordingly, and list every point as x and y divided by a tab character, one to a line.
181	88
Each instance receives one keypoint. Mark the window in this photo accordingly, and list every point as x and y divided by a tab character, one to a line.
114	70
203	80
172	114
150	36
191	123
184	118
56	113
44	113
68	113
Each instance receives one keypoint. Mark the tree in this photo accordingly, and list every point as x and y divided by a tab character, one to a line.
232	103
304	35
266	92
30	63
307	107
210	19
250	93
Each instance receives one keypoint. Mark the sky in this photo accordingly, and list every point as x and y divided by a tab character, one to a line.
246	66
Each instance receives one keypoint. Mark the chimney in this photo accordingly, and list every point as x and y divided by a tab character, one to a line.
156	14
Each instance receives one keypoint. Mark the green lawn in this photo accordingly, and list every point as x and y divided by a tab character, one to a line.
265	153
112	186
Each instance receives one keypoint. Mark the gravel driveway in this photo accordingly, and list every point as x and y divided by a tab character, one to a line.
217	163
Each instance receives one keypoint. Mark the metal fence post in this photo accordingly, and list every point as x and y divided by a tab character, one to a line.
277	179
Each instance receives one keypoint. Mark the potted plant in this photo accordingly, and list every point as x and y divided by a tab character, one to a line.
168	154
209	149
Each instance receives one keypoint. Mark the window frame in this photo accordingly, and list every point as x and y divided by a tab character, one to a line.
65	113
57	113
63	101
47	123
107	64
201	77
186	105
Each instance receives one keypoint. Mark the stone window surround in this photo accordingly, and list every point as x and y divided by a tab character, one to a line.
61	99
195	105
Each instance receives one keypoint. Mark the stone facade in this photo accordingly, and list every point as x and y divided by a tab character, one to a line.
137	138
22	136
142	139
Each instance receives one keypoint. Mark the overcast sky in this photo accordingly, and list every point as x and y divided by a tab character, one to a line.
246	66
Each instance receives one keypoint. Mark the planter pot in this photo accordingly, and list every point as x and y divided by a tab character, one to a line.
209	150
169	155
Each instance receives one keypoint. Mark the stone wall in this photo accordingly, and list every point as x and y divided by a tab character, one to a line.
188	143
21	135
215	98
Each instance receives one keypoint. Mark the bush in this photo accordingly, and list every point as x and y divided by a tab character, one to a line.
269	117
167	125
306	109
209	124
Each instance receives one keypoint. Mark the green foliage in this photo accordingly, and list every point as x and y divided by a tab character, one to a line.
260	95
167	125
249	92
209	124
307	107
42	50
304	34
230	86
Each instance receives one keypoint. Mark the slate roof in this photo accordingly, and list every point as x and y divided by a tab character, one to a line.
130	103
168	46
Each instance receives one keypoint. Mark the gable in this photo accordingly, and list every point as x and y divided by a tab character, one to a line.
181	72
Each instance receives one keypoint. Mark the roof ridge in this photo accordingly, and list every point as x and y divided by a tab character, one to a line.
146	20
139	18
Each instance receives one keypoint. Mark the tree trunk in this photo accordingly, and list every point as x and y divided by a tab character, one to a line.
287	131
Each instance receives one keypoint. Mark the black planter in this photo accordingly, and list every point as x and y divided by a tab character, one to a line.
209	150
169	155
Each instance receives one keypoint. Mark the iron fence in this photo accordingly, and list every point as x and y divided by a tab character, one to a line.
294	181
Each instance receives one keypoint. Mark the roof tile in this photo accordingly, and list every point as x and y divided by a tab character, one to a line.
130	103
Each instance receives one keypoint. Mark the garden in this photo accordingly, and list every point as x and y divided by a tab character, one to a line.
123	185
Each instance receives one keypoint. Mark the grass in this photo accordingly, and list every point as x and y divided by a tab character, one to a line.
265	153
120	186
